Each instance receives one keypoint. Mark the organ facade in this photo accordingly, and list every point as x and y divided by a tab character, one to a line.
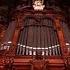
36	39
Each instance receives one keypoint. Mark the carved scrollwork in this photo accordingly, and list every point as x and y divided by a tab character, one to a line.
39	64
8	63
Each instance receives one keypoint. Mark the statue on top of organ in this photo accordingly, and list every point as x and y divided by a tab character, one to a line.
38	4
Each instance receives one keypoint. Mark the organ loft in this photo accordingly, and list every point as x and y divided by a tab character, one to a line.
36	38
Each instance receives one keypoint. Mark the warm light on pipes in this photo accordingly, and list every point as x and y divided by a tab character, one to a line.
9	42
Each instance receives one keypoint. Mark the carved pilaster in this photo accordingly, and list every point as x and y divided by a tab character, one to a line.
60	34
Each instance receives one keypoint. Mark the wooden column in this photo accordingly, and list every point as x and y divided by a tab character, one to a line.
60	34
17	32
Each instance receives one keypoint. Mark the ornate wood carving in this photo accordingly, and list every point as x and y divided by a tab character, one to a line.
60	34
8	63
39	64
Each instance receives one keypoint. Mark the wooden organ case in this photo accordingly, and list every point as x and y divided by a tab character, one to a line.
35	41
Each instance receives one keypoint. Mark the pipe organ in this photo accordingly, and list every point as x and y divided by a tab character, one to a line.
36	40
38	37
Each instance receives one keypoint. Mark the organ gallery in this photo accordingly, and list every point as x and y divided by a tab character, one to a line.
37	38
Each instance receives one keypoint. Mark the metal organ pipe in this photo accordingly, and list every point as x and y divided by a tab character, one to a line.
38	38
23	38
19	44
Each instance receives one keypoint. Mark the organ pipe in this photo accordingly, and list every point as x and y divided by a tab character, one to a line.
38	38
